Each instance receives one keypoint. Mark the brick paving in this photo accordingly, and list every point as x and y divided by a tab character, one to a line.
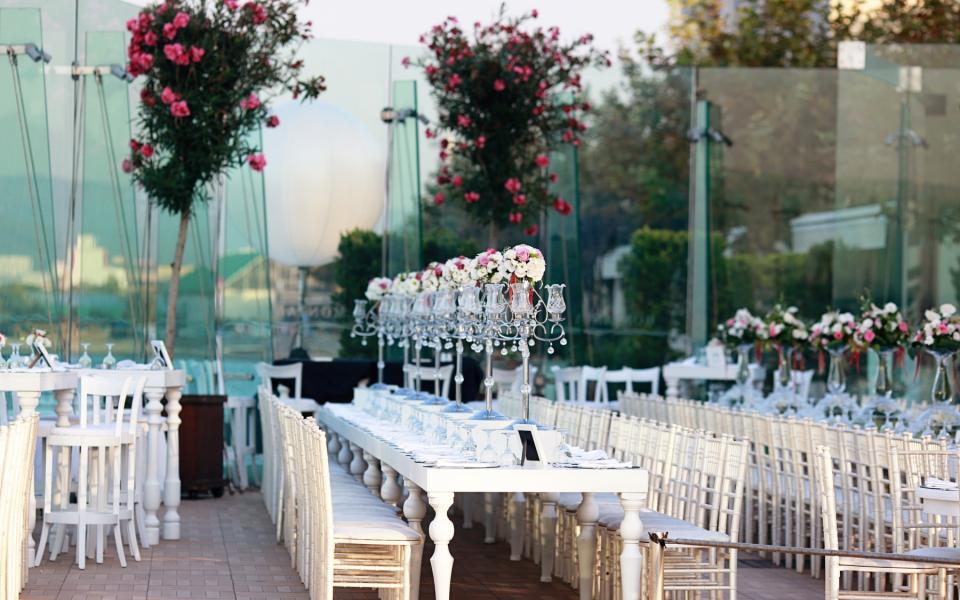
228	551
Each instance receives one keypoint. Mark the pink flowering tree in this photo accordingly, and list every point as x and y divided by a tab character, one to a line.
208	71
506	93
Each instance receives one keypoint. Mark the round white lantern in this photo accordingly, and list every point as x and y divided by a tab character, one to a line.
324	176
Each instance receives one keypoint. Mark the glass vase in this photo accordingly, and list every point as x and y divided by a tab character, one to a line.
883	385
942	391
784	368
743	369
836	376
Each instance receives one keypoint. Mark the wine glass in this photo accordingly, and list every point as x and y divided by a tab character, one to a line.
85	361
15	358
3	363
109	362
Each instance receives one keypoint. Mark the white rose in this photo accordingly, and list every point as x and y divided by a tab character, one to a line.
890	308
931	316
947	309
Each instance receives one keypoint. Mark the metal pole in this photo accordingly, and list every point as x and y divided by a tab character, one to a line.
525	386
303	308
488	378
436	368
458	377
418	374
380	363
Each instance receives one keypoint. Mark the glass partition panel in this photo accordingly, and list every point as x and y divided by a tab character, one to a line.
402	225
29	274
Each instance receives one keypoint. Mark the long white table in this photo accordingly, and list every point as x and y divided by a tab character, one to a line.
379	464
675	372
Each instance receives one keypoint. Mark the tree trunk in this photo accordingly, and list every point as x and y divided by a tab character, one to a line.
492	234
174	291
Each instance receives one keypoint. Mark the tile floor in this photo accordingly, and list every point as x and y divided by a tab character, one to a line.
228	551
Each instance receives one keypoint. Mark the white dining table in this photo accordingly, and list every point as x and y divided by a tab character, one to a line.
379	463
28	385
676	372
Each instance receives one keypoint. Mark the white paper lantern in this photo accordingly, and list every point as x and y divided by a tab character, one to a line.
324	176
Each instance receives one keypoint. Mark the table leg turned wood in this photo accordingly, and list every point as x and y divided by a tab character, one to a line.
631	528
151	487
414	510
28	402
441	532
171	487
518	508
548	534
587	516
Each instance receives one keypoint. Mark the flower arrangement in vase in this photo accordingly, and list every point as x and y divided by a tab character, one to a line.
485	267
377	288
209	71
524	263
939	336
430	277
504	95
406	284
786	333
835	334
883	330
458	273
746	332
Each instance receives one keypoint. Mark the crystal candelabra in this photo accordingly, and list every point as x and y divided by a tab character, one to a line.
368	322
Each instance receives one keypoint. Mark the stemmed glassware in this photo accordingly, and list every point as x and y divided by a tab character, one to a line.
109	362
3	362
85	362
16	361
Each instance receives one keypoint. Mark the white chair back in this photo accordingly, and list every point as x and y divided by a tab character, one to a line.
628	376
567	382
590	375
268	373
104	400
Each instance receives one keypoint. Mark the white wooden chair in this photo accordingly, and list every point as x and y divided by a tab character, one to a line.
510	380
268	373
567	383
628	376
103	435
17	446
915	573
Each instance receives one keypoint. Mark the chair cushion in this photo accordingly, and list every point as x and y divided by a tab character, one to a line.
571	500
101	430
654	522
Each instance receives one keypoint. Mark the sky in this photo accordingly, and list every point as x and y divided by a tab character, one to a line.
612	22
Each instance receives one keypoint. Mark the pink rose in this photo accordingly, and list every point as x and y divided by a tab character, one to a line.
838	335
181	20
520	199
902	326
454	80
463	121
180	109
438	270
543	161
532	230
145	61
515	217
943	328
167	96
273	121
499	85
431	70
169	31
257	162
484	260
150	39
562	206
196	53
457	181
523	253
471	197
405	61
439	198
251	102
512	185
481	141
146	150
173	51
126	165
869	336
132	25
231	4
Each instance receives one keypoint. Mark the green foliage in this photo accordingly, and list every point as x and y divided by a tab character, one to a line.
439	245
203	65
360	253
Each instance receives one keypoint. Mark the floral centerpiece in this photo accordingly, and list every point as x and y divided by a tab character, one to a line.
742	328
835	333
38	336
524	263
458	273
406	284
485	267
431	276
884	331
377	288
209	70
786	332
939	335
504	94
